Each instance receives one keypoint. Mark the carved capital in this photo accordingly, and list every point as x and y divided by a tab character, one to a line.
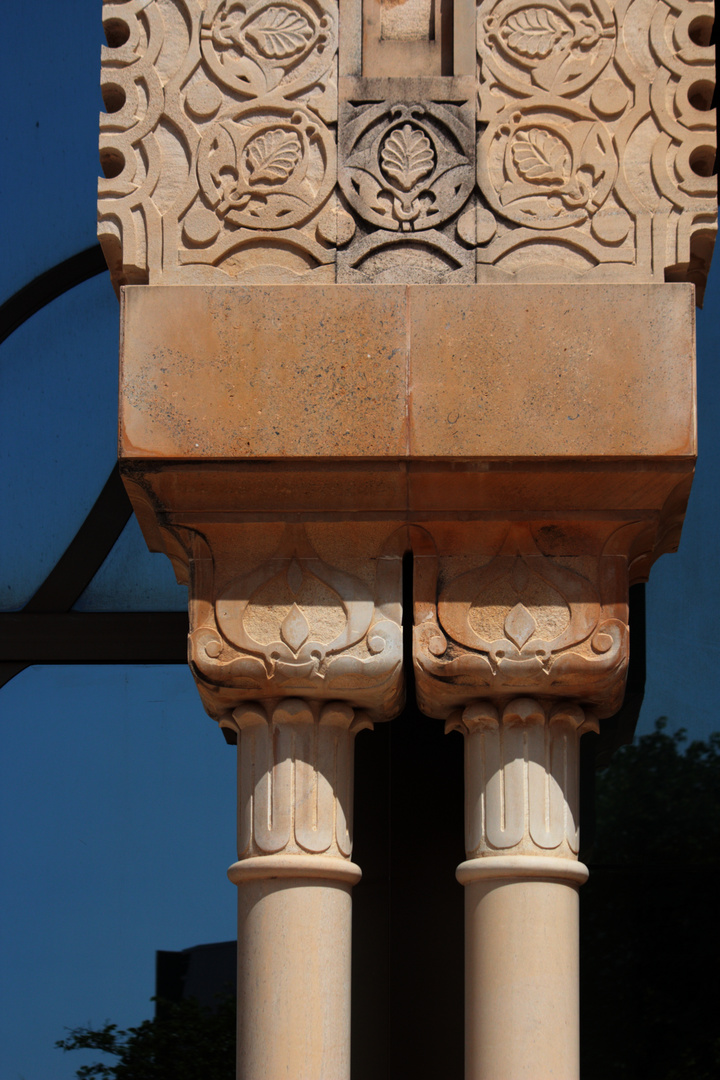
521	777
294	611
521	621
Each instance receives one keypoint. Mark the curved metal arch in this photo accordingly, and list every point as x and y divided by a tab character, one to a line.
46	630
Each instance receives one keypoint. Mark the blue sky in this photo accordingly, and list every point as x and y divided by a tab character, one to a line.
117	791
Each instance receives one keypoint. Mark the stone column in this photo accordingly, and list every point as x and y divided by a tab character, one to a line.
521	883
294	875
293	656
522	653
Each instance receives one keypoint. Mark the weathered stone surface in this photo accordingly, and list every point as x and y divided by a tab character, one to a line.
280	372
417	372
536	465
548	371
545	615
218	143
529	439
309	610
406	168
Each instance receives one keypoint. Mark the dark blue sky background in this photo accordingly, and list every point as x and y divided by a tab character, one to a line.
117	792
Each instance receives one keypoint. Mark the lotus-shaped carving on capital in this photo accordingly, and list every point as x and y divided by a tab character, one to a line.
255	47
295	612
520	607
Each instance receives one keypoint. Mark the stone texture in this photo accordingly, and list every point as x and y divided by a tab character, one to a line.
492	445
280	371
564	372
406	170
417	372
531	441
309	610
596	141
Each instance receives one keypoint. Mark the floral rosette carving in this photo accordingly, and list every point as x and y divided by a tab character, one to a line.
406	166
556	47
267	167
255	48
547	167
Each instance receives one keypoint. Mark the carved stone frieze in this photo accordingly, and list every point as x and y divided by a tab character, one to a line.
582	149
406	168
521	777
218	144
521	622
596	140
257	48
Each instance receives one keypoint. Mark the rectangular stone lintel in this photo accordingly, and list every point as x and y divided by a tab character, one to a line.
405	400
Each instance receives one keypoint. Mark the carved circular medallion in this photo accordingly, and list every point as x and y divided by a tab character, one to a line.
555	46
546	168
406	166
255	47
267	167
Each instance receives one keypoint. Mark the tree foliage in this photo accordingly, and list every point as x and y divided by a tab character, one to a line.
649	937
184	1041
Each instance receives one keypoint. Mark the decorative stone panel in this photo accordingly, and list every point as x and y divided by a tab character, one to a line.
525	621
218	142
596	141
407	159
582	150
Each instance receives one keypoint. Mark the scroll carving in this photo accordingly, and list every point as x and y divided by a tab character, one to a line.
522	623
521	777
596	141
295	777
218	144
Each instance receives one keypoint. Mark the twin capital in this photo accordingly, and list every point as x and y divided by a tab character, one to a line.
501	611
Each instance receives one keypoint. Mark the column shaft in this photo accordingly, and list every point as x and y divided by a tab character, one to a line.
521	974
293	979
521	890
294	876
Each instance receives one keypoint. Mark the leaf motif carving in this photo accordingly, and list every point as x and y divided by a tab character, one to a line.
533	32
519	625
295	629
407	156
273	155
279	32
540	157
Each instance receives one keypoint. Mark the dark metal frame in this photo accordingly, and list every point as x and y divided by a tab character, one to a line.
46	630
